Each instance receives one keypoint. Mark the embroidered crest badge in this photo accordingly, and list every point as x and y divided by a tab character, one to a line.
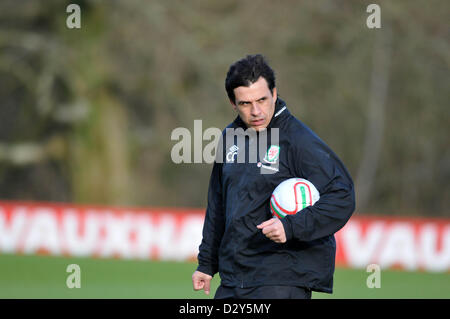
272	154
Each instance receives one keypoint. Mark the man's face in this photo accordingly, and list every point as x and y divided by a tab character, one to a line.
255	104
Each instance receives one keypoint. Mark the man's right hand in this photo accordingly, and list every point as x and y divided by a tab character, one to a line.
201	280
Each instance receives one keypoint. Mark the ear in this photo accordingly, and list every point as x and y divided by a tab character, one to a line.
234	105
275	94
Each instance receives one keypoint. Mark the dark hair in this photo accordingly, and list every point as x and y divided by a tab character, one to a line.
247	71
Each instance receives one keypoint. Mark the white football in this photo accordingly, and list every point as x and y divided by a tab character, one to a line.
291	196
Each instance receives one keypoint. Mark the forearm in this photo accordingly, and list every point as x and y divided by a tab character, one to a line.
208	254
325	218
213	226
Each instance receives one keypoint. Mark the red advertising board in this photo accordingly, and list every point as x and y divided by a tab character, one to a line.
175	234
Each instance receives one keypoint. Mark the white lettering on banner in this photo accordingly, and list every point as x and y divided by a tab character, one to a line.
133	235
76	242
190	237
162	236
142	245
153	238
43	234
12	232
399	247
396	244
168	239
361	251
166	235
433	258
117	240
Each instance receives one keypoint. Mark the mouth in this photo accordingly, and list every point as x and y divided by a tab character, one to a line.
257	122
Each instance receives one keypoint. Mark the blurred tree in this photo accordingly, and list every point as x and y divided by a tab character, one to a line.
86	114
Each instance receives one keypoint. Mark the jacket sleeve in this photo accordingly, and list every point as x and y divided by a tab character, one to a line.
315	161
214	224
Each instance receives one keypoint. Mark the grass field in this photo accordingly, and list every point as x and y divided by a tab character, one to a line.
45	277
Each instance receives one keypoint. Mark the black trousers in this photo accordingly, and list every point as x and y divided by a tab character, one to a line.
263	292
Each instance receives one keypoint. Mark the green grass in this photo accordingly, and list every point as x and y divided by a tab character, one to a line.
45	277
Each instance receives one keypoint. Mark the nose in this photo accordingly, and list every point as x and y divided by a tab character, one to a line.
256	110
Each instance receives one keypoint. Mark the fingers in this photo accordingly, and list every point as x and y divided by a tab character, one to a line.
272	233
274	230
207	284
198	284
270	230
268	226
266	223
201	281
203	284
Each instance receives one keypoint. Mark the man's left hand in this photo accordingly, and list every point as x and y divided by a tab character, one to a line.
274	230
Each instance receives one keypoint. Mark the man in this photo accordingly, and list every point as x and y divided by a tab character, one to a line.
256	255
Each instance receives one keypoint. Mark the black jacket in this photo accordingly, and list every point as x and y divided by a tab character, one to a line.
238	200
